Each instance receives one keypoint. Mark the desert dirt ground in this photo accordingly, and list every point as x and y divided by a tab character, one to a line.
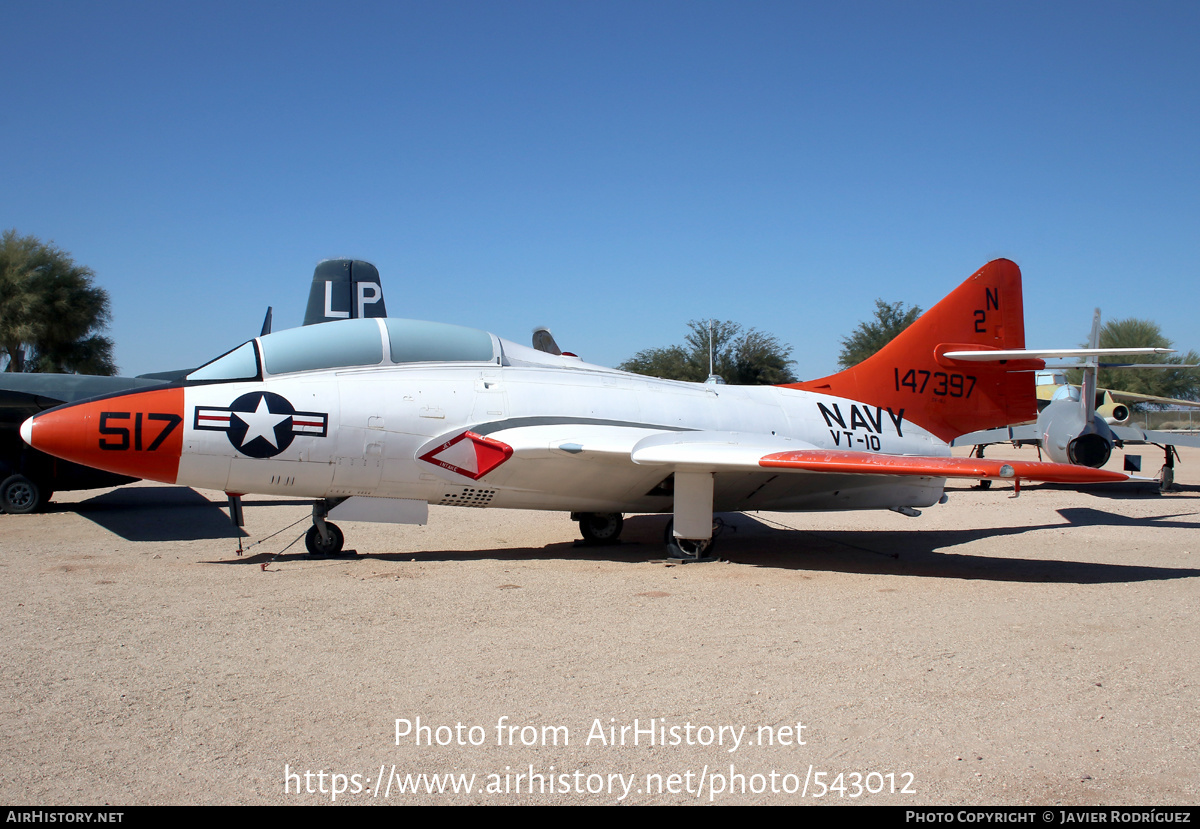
1037	650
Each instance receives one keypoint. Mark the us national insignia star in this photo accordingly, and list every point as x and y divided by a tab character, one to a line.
261	424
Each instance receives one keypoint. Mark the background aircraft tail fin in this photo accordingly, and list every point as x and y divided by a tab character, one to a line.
951	397
1090	368
344	289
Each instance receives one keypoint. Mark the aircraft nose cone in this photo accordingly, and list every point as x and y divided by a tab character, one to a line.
140	434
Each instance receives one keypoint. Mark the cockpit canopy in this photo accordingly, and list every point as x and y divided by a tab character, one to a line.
348	344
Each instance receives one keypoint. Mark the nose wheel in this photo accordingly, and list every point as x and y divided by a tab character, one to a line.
323	547
323	539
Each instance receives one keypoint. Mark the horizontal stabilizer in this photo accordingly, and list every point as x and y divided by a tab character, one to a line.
1028	432
988	356
1133	434
1069	366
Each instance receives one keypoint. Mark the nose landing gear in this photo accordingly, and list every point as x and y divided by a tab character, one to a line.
324	539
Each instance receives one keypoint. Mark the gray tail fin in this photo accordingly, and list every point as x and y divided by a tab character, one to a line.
344	289
543	340
1090	366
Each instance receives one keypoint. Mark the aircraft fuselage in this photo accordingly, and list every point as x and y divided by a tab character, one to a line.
373	432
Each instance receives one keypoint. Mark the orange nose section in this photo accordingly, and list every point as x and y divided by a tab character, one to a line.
139	434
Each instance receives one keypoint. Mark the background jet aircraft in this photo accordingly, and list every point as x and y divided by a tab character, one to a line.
1081	424
341	289
376	419
1111	404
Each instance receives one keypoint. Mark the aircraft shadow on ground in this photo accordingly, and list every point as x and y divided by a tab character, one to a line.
1127	491
748	540
161	513
925	553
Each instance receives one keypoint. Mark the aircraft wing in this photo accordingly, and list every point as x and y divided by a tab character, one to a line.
1150	398
52	389
732	451
593	441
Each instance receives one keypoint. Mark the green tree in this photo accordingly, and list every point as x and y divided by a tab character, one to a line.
51	313
1182	383
741	356
873	335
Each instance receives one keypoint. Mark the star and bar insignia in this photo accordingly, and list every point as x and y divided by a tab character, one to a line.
261	424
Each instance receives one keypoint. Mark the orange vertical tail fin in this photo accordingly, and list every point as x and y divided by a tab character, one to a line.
945	396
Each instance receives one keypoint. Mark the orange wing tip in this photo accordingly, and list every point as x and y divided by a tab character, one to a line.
859	463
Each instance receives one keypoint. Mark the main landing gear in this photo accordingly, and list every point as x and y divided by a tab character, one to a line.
689	535
1166	475
977	452
324	539
599	527
688	549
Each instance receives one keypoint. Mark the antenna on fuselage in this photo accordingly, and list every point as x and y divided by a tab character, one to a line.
714	379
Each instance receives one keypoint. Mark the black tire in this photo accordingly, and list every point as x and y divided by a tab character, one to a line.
19	495
601	527
687	549
312	540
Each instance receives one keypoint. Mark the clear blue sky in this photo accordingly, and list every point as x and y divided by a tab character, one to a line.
609	169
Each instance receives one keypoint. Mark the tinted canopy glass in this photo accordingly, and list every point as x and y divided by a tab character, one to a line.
414	341
327	345
239	364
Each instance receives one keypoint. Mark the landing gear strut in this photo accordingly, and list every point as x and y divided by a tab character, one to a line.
977	452
323	537
693	516
1166	476
688	549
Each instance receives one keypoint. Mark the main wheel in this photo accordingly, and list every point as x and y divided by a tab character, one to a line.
317	547
687	549
19	495
601	527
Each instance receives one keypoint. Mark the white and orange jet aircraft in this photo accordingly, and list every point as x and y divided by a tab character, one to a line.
378	418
